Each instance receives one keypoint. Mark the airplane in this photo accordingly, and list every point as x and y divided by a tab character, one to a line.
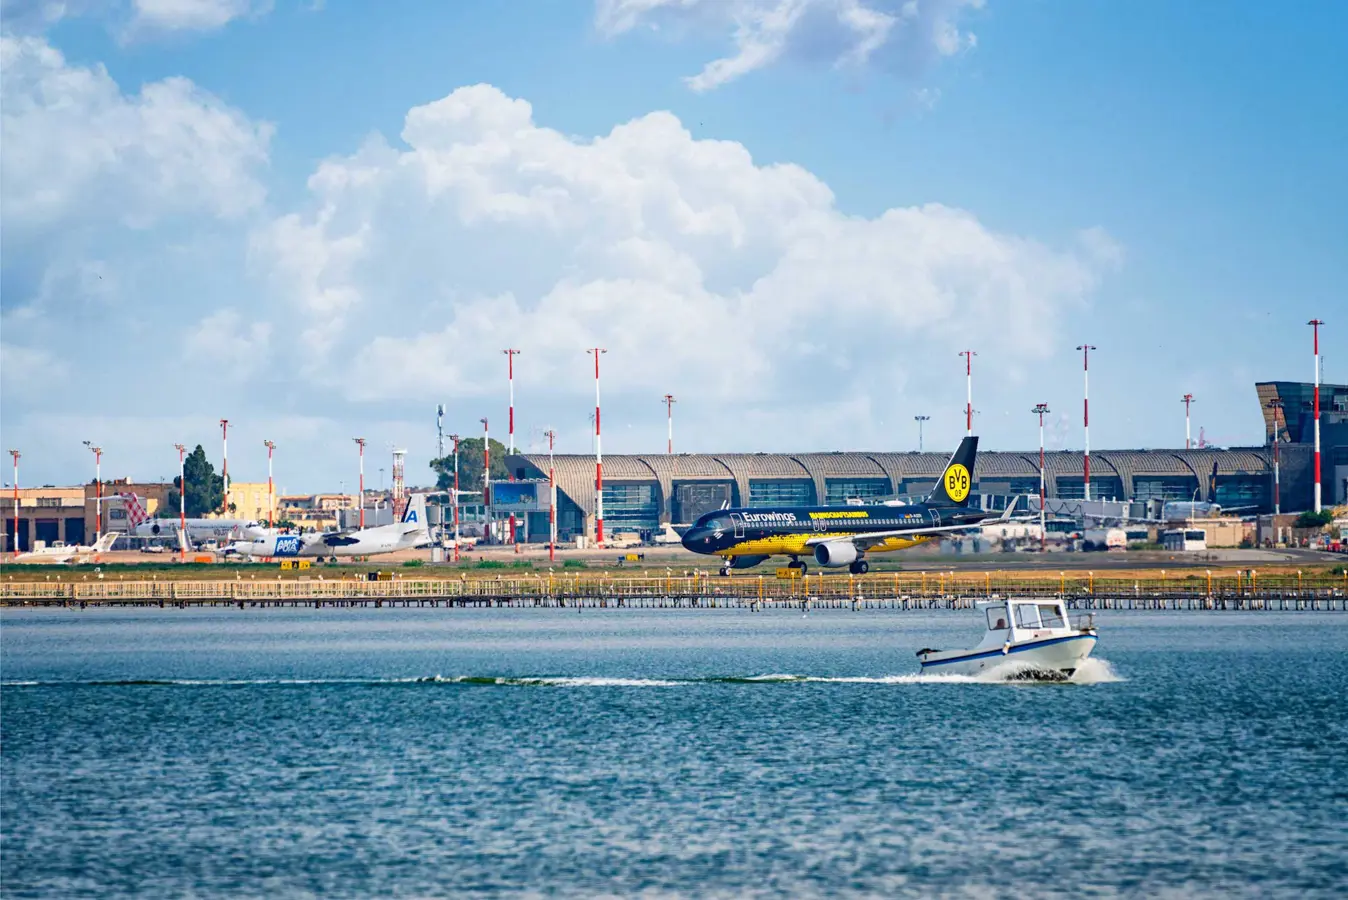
839	536
140	524
411	532
66	553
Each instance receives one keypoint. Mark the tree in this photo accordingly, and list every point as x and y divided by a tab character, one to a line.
470	466
205	489
1310	519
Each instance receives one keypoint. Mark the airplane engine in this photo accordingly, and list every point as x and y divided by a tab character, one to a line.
835	554
154	529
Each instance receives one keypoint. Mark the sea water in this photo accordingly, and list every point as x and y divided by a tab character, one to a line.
697	753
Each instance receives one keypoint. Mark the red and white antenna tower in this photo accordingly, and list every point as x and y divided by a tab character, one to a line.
399	488
669	406
486	478
1315	324
98	488
360	503
455	439
1188	399
969	379
1086	416
510	372
598	456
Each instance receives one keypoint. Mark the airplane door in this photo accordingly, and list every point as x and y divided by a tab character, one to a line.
936	517
737	521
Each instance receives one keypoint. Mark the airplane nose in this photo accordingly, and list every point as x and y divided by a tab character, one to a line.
691	537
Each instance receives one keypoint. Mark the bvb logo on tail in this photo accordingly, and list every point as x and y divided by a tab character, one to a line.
957	482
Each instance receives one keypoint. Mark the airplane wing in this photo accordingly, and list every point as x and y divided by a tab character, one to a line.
868	539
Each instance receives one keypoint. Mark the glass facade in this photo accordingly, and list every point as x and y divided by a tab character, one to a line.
1244	490
1073	487
778	492
694	499
630	507
838	491
1168	487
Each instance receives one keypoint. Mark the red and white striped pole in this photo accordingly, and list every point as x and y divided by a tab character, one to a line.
182	503
360	503
1041	408
1188	398
510	371
455	439
669	405
1086	416
271	496
598	456
14	547
98	489
224	461
486	475
552	501
969	379
1315	324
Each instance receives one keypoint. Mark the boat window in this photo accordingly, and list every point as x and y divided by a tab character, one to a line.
1050	617
996	618
1027	616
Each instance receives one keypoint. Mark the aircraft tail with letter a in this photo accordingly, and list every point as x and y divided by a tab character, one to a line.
957	481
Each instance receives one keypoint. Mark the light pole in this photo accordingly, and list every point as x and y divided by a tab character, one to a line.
14	547
486	476
182	503
1188	399
1040	409
510	355
360	445
455	439
552	500
920	420
224	461
1315	324
969	379
1275	404
98	489
271	502
1086	417
598	456
669	407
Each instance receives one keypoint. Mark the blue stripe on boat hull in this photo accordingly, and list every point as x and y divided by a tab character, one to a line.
1016	649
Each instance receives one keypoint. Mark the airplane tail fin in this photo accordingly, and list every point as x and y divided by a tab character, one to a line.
957	481
415	514
135	511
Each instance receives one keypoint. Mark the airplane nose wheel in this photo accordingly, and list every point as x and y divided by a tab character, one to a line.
860	567
725	570
797	564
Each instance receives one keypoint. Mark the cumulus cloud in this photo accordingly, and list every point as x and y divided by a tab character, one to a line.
193	15
684	258
906	35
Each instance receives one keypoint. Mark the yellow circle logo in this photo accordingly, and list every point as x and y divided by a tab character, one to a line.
957	482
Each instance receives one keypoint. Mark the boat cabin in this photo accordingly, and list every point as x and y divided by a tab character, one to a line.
1025	619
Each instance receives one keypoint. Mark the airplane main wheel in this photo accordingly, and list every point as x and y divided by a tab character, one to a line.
725	570
860	567
797	564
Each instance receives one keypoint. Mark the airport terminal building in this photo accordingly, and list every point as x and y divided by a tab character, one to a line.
643	492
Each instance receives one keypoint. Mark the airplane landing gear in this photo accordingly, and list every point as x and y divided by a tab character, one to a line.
725	570
859	567
797	564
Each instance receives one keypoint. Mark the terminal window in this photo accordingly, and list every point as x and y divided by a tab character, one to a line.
838	492
781	493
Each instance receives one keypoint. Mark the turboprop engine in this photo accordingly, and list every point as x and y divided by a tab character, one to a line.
835	553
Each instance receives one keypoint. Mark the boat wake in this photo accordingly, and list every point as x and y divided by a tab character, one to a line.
1092	671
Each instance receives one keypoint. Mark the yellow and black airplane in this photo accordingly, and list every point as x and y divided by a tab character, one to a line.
839	536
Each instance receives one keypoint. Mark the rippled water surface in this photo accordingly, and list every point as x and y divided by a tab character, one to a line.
414	753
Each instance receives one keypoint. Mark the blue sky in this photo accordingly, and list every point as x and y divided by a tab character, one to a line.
307	219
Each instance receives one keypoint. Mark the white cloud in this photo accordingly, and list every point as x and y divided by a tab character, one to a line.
687	260
224	342
76	147
193	15
905	34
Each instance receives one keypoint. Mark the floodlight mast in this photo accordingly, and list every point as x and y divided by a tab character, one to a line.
1275	404
920	420
1086	417
182	501
1188	399
98	490
1040	409
14	548
969	385
1315	325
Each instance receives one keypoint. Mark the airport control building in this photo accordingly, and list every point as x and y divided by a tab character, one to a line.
643	492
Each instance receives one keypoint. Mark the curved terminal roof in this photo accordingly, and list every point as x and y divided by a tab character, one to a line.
575	472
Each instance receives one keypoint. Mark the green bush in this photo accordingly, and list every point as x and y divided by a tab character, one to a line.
489	564
521	564
413	564
574	564
1310	519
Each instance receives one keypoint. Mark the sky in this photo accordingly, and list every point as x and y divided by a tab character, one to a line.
319	220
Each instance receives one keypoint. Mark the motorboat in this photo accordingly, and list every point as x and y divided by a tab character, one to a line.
1029	638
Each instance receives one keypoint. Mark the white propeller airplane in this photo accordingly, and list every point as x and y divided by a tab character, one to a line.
408	534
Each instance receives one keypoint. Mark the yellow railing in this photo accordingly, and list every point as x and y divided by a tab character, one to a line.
744	586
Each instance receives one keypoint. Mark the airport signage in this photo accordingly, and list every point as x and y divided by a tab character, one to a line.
518	496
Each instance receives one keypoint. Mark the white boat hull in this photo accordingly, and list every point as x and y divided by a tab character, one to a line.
1044	658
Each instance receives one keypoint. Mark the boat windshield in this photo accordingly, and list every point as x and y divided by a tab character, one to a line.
1050	616
996	618
1027	616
